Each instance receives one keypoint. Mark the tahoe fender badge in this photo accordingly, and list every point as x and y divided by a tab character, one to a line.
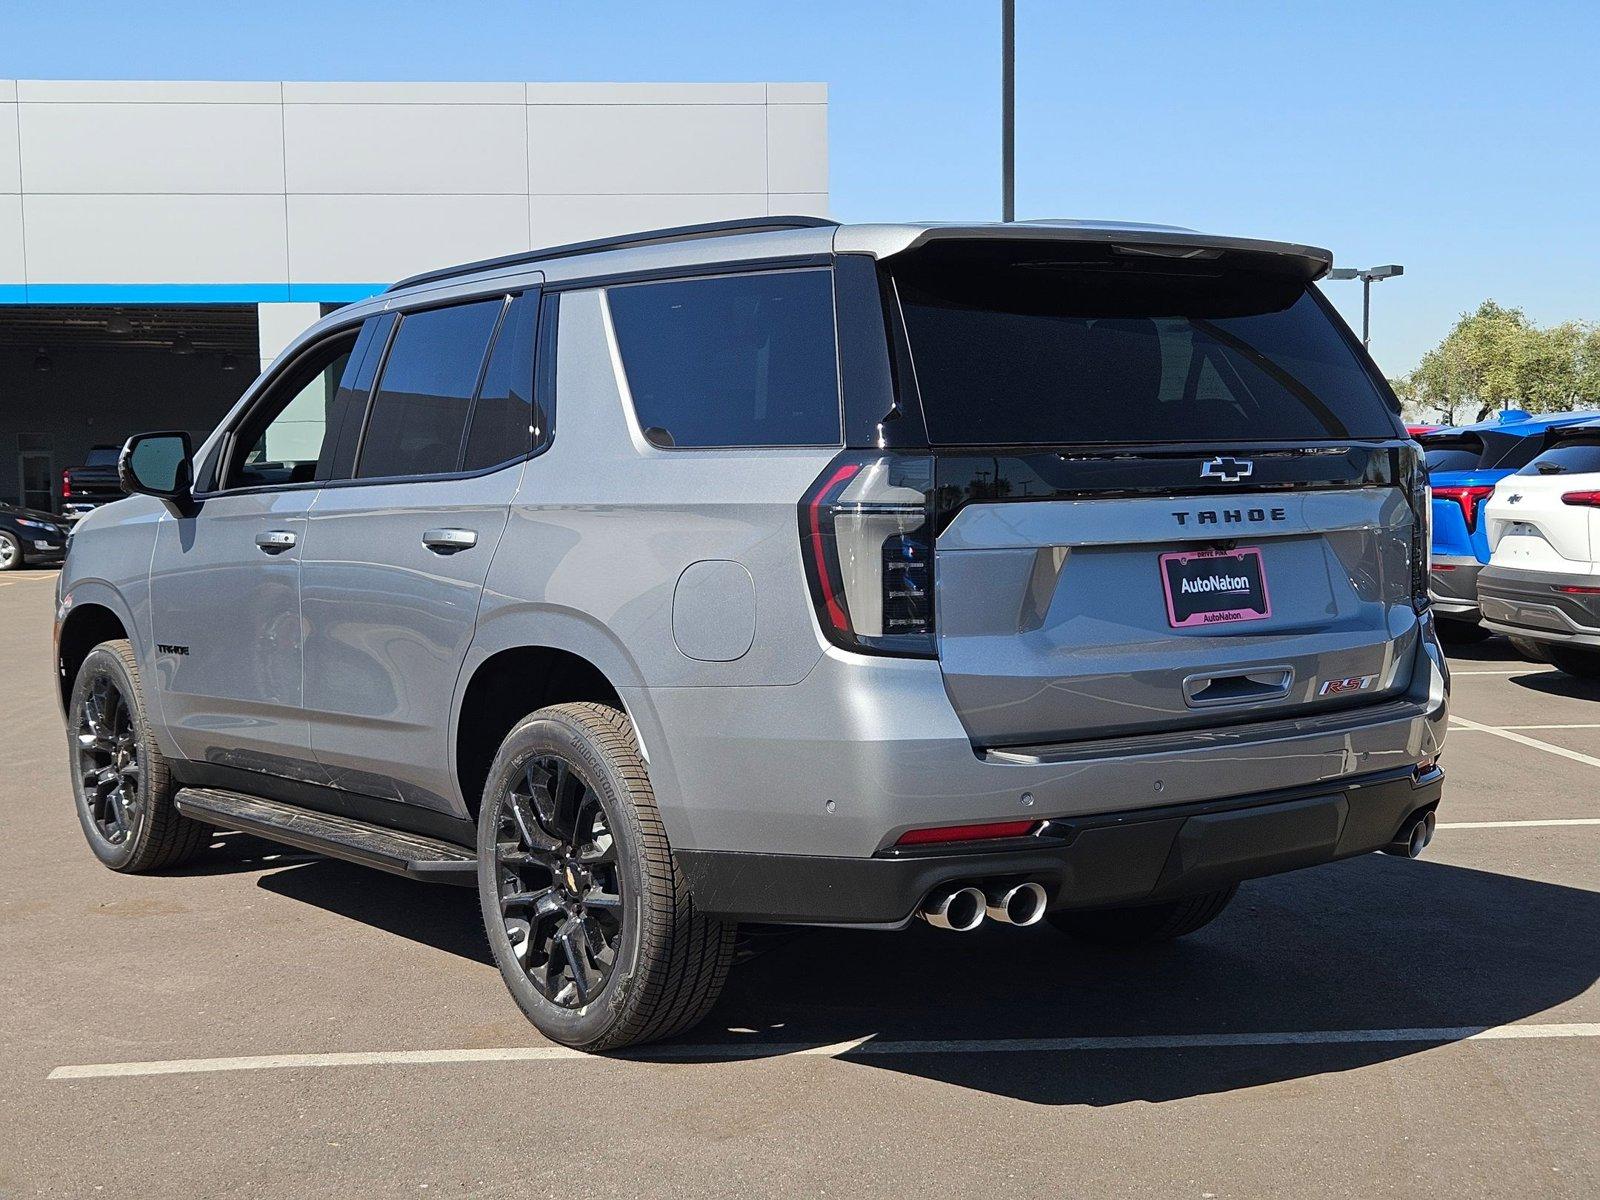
167	648
1229	470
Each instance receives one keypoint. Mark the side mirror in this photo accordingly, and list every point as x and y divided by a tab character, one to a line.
158	464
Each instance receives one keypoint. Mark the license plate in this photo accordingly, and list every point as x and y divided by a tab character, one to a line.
1215	587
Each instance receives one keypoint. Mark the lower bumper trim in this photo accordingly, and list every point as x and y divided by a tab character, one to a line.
1117	858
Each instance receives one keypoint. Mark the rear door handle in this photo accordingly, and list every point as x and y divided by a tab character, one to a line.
450	541
275	541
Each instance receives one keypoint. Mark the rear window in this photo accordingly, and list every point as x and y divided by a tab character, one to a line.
1453	456
731	360
1026	343
1567	458
101	456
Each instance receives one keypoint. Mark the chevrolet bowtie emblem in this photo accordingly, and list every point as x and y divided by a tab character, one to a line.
1229	470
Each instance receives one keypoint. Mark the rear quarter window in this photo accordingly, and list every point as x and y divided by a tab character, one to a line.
731	360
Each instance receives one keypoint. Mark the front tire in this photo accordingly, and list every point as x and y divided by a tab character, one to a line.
1143	924
121	783
590	922
10	552
1575	660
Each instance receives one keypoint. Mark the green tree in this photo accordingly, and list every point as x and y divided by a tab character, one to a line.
1495	357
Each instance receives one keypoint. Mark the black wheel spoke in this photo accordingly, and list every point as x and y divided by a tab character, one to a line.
604	901
575	943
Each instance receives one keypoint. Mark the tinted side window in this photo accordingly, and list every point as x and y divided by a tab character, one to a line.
419	414
504	420
1569	458
282	439
349	408
733	360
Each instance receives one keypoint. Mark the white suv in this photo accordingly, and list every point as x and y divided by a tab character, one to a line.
1542	584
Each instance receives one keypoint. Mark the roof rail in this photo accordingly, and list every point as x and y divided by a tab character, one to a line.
650	237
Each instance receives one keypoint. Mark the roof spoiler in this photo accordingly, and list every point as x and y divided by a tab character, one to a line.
1164	241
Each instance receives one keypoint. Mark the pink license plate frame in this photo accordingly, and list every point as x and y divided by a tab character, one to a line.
1218	616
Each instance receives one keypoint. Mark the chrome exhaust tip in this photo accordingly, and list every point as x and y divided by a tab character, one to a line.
958	908
1414	839
1019	904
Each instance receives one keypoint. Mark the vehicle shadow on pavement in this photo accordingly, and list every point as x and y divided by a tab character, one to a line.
443	917
1559	683
1491	650
1373	943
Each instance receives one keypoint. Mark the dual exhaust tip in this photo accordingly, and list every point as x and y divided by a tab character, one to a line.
964	907
1414	838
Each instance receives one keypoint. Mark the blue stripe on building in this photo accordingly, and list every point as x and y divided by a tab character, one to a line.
185	293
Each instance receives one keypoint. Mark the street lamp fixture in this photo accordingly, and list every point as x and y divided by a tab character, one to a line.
1368	276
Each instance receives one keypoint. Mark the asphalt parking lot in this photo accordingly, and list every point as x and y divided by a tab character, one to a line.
1374	1027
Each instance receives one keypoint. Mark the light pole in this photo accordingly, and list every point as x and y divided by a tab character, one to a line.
1368	276
1008	110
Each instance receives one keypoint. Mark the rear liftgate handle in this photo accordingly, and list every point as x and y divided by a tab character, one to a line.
450	541
1237	687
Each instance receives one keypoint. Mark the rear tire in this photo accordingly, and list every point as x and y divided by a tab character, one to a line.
590	922
1462	633
1575	660
121	783
1529	649
1143	924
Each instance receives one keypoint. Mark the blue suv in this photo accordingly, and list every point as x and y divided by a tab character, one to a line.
1464	464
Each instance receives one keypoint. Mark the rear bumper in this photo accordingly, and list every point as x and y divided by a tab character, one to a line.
1110	859
1529	604
844	762
1453	586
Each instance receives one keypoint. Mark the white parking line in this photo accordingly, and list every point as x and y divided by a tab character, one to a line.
1474	726
1531	668
1568	725
1517	824
857	1047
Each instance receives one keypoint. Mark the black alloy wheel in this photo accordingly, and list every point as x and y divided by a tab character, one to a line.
559	884
109	760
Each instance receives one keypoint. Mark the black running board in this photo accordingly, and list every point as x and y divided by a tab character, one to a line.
413	855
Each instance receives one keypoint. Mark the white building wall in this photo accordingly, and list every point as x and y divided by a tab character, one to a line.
272	192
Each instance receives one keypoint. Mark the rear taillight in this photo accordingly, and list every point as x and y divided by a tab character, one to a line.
866	535
1582	499
1421	498
1470	499
66	485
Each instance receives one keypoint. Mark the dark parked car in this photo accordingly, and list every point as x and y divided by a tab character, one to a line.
29	536
86	488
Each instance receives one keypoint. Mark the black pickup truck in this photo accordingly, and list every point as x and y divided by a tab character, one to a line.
91	485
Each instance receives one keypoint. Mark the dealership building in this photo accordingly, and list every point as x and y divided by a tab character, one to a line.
160	242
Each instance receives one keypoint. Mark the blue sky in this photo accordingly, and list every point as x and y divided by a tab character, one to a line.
1458	139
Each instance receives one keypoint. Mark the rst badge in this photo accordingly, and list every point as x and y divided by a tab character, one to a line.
1338	687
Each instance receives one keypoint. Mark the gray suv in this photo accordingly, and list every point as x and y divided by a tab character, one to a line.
779	571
